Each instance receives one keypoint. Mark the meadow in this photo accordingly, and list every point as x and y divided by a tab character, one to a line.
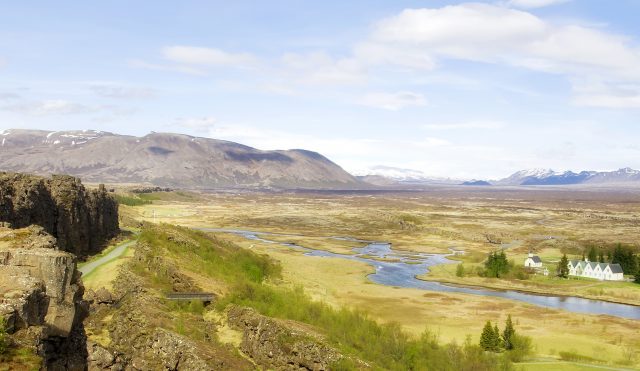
549	223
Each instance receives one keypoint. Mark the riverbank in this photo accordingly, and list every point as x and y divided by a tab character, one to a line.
446	275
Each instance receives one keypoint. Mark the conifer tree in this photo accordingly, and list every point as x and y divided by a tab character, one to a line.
497	342
563	267
593	254
486	339
508	334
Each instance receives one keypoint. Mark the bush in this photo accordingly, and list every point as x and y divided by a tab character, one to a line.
573	356
460	270
4	340
521	348
131	201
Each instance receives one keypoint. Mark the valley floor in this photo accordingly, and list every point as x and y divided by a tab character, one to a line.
549	223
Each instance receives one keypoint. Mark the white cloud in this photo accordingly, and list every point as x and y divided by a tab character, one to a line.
607	94
193	55
372	53
119	91
318	68
502	35
63	107
46	107
530	4
199	124
137	63
431	142
8	96
489	125
393	101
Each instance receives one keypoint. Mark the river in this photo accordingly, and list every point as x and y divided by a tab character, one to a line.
403	267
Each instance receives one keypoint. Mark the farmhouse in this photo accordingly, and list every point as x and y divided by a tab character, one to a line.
533	261
600	271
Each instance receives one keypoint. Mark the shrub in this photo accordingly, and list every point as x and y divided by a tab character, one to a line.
460	270
521	348
131	201
4	340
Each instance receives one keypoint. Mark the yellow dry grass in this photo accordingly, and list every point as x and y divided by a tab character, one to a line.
548	224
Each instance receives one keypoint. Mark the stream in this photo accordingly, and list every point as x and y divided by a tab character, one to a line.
402	268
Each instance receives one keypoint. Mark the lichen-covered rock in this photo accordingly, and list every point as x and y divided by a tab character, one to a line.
81	220
41	298
271	344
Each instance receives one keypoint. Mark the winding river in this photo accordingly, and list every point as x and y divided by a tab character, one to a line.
401	269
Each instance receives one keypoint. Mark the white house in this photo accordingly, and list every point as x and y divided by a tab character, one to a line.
600	271
533	261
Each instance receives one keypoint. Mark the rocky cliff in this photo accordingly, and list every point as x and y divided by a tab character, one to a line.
41	298
81	220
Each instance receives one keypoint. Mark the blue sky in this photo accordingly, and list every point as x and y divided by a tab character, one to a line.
453	89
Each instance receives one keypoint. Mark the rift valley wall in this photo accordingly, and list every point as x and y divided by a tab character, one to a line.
81	220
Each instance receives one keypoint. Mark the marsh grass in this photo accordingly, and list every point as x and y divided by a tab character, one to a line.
387	346
131	200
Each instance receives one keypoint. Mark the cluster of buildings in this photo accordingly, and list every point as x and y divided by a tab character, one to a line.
581	268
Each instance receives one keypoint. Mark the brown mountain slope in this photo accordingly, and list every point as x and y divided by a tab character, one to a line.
173	160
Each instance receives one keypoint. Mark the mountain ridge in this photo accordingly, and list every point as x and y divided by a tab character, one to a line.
166	159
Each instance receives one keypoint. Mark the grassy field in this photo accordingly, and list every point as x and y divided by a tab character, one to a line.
548	223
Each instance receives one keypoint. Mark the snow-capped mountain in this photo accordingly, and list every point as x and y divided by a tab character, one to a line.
550	177
390	175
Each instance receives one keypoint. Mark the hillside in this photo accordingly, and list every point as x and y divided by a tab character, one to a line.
173	160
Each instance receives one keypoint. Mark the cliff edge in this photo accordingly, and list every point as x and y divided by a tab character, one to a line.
80	219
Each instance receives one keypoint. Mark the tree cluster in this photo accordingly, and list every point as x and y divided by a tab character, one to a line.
625	257
493	341
497	264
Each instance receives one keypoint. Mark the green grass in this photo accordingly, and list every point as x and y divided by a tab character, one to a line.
385	346
131	200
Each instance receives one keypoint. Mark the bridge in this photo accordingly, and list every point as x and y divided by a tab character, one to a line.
206	297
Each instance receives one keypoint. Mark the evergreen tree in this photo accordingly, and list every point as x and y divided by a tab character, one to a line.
497	264
593	254
625	257
497	341
601	257
508	334
563	267
487	337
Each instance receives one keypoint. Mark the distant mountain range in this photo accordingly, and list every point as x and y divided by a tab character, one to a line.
390	176
173	160
183	161
536	177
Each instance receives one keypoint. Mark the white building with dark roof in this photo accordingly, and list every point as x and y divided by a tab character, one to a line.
599	271
533	261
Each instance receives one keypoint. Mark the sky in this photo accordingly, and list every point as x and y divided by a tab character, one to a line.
452	89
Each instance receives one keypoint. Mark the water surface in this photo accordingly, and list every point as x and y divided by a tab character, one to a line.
401	268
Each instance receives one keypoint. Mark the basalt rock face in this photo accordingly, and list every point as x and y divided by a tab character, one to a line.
81	220
274	345
41	298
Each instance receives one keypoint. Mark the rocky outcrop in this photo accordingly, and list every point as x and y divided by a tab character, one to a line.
81	220
274	345
41	300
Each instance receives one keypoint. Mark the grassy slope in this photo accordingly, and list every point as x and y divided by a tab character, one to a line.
249	278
